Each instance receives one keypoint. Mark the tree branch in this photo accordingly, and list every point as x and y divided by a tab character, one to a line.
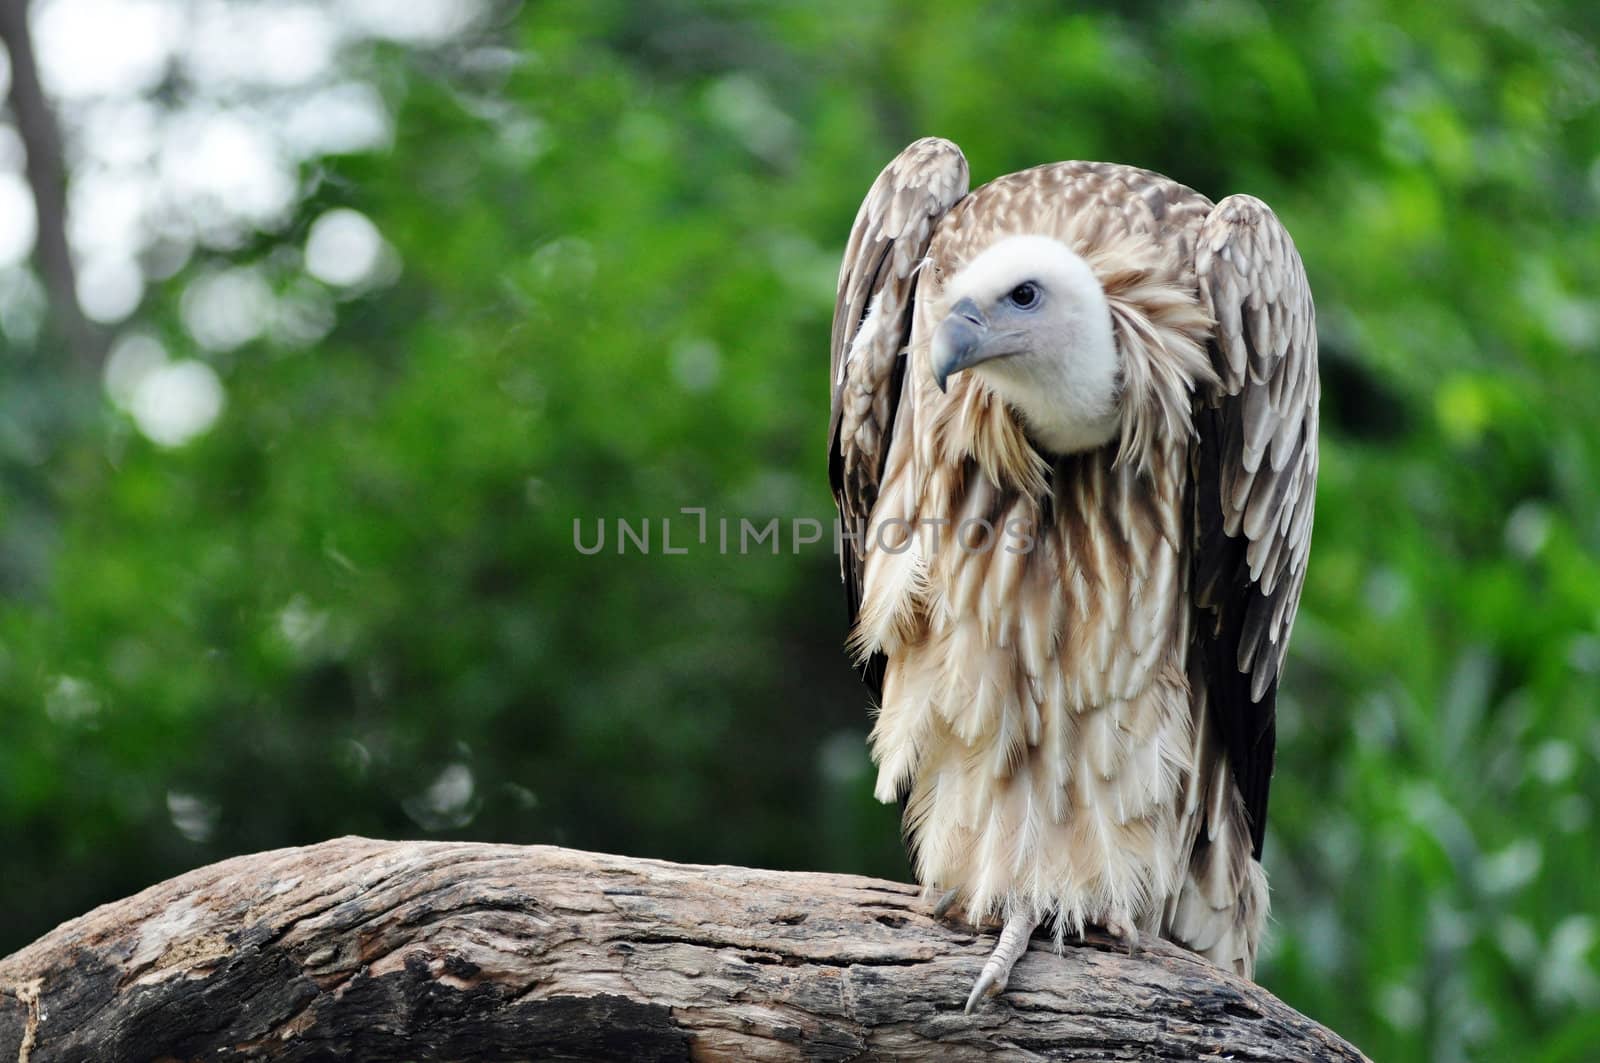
47	179
435	951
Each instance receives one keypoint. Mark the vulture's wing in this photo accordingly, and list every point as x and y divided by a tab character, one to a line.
1255	474
871	327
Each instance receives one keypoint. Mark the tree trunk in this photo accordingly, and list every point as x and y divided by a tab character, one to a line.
358	949
47	179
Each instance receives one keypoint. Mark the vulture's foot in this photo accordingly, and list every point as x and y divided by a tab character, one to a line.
997	972
1119	926
945	903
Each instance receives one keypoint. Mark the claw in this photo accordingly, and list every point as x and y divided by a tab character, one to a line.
945	903
1122	928
997	972
988	985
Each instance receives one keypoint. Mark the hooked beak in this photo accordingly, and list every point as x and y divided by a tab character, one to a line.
961	341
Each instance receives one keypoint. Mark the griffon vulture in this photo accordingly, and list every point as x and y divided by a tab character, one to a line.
1074	450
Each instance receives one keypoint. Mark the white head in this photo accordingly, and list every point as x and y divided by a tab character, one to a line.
1028	317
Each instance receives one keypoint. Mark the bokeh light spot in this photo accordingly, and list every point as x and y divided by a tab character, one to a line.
224	310
177	402
109	289
343	248
132	358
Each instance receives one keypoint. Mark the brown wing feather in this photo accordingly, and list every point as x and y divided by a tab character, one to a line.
1255	470
871	326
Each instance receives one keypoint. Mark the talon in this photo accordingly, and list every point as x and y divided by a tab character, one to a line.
997	971
945	903
988	985
1123	929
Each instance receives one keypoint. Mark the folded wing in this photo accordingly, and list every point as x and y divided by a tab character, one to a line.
871	327
1255	469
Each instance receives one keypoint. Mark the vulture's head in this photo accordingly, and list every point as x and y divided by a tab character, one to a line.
1029	319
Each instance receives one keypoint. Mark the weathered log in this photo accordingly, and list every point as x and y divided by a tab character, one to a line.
358	949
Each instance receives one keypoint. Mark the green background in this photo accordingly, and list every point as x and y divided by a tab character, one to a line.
354	605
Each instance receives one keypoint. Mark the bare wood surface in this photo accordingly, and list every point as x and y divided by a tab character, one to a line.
359	949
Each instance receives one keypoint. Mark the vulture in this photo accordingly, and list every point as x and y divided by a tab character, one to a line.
1074	449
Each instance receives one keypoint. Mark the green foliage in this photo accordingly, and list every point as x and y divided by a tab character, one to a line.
355	604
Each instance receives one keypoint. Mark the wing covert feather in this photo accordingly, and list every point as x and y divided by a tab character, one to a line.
1255	471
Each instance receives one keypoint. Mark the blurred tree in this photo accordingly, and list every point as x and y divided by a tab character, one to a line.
47	181
312	568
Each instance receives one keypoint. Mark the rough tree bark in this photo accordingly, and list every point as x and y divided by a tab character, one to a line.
358	949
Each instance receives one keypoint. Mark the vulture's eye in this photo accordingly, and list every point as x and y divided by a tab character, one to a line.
1024	296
